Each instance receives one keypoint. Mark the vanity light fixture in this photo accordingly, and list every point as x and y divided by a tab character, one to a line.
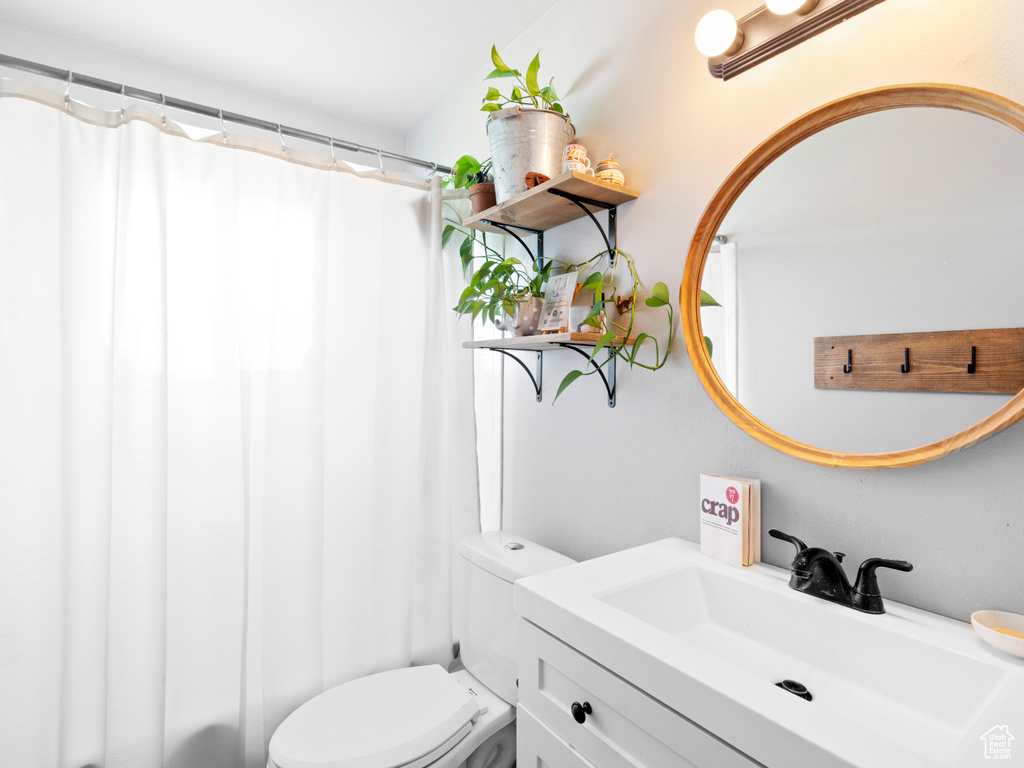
767	31
782	7
718	35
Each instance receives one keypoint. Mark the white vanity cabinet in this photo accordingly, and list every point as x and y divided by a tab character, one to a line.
624	728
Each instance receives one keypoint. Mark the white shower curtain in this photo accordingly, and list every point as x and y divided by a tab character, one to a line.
236	436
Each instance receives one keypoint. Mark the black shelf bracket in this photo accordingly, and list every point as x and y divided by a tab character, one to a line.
609	381
537	380
538	259
610	238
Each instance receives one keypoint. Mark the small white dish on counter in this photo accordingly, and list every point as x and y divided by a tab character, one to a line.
986	624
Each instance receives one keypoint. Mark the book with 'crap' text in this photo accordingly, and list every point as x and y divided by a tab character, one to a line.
730	519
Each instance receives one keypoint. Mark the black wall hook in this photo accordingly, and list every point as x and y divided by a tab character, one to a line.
849	361
905	368
971	365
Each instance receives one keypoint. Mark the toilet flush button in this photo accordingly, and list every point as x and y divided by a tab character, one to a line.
513	545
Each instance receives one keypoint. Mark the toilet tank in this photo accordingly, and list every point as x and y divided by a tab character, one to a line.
489	564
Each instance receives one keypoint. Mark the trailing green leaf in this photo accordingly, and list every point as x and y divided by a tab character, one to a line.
606	338
570	377
707	301
659	297
466	247
636	346
492	95
709	345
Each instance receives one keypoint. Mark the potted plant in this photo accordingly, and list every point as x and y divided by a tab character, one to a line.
613	316
496	285
475	176
524	140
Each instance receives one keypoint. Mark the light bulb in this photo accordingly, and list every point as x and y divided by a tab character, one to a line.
782	7
717	33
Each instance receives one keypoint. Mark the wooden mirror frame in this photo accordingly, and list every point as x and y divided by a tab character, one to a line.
960	98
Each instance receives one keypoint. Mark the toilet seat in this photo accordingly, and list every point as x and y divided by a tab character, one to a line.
403	718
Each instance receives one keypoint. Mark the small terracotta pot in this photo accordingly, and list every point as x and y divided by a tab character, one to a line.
481	197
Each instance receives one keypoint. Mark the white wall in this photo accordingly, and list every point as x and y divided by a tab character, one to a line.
635	85
43	47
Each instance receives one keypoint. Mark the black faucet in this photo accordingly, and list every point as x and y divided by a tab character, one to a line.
818	572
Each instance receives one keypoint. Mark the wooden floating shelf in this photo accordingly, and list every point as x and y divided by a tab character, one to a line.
938	361
541	342
537	209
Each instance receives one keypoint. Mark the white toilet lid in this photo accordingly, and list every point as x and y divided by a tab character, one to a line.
385	720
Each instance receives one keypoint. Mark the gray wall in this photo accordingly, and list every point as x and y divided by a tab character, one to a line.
588	480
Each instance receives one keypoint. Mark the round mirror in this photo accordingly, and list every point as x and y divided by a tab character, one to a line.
891	211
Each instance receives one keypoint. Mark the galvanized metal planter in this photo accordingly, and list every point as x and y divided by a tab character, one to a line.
524	140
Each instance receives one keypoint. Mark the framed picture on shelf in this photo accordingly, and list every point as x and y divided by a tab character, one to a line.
558	296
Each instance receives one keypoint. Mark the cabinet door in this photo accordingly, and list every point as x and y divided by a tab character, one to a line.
538	747
625	727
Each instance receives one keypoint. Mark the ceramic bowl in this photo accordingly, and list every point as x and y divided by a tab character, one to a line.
986	622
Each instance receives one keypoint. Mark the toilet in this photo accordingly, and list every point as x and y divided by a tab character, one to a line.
425	716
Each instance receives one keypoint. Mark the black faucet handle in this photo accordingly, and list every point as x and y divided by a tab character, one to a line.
866	595
775	533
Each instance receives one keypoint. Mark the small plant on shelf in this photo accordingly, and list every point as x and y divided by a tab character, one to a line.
616	329
475	176
467	171
496	284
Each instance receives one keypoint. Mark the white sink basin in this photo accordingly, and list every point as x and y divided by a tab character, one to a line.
905	688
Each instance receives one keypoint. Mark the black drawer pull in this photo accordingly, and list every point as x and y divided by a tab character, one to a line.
580	711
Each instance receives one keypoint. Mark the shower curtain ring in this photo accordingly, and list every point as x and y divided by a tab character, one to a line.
67	91
334	160
380	160
433	170
223	127
163	111
123	97
280	136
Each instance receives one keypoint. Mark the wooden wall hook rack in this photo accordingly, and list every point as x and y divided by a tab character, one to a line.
932	361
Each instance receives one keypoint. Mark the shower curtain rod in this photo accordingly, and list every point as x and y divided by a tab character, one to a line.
73	78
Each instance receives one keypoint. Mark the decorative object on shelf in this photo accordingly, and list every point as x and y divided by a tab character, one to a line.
575	159
575	153
608	170
525	320
558	296
577	167
733	47
533	179
527	129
